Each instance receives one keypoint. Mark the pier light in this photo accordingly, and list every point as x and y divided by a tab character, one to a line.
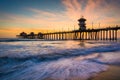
82	24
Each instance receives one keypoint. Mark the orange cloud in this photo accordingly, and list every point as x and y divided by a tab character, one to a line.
97	11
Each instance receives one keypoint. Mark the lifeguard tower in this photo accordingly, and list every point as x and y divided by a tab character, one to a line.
82	24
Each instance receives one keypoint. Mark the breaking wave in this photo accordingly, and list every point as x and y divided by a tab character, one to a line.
57	60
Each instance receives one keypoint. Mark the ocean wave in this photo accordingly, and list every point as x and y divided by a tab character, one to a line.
62	69
17	39
55	54
56	60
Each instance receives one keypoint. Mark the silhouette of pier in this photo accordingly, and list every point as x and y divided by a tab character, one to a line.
88	34
109	33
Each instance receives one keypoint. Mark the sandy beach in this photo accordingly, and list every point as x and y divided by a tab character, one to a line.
113	73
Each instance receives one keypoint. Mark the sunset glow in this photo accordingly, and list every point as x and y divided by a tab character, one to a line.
55	15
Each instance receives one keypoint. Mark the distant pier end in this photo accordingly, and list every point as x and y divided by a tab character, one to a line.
31	35
108	33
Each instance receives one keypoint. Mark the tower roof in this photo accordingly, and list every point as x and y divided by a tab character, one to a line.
23	33
82	19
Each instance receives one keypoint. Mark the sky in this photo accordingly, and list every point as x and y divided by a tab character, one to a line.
55	15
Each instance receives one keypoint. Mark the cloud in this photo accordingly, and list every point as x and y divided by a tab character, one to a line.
96	11
39	18
39	21
105	12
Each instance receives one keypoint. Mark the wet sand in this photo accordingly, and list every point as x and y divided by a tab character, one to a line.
113	73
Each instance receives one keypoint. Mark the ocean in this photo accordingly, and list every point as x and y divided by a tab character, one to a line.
56	60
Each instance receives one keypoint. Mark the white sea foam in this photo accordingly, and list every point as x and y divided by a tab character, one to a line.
110	58
56	60
62	69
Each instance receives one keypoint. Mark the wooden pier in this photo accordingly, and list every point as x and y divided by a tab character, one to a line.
109	33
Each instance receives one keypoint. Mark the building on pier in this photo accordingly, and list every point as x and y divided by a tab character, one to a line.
40	35
22	35
82	24
31	35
